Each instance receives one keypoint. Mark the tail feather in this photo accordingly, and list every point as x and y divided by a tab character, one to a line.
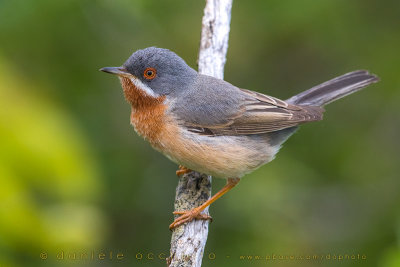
334	89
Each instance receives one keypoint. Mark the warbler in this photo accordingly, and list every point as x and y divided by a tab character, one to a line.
211	126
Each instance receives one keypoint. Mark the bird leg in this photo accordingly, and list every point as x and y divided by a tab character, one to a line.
195	213
182	170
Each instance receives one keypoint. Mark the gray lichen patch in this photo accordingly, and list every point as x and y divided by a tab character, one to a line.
188	240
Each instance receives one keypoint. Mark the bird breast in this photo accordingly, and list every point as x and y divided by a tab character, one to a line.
148	112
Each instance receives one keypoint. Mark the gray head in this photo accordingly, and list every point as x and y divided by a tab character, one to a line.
156	69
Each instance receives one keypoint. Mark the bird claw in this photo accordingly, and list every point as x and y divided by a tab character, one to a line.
182	170
187	216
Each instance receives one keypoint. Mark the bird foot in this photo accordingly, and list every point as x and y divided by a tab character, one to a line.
188	216
182	170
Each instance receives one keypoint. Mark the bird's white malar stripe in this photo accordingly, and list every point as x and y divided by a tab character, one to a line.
143	87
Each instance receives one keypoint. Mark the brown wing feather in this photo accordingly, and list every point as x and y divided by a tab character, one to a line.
262	114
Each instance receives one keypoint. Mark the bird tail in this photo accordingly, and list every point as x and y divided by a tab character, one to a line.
334	89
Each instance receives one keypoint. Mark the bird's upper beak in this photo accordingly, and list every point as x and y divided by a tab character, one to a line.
120	71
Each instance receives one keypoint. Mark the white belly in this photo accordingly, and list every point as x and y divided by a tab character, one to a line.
220	156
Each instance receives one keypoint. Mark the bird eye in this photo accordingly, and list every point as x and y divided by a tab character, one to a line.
150	73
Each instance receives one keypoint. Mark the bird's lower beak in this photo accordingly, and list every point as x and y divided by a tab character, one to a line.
120	71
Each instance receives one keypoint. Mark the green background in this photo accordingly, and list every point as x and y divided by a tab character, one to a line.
74	177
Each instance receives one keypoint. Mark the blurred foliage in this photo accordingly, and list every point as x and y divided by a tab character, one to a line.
75	177
48	176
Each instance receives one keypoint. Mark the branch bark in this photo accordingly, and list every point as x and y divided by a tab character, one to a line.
188	240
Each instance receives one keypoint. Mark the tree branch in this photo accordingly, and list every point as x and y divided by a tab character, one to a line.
188	240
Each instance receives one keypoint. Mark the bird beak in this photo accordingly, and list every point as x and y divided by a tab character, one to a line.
120	71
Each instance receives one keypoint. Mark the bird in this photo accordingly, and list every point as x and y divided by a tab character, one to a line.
208	125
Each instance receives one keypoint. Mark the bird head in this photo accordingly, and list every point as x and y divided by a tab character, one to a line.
153	72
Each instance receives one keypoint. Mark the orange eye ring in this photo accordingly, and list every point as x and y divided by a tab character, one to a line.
150	73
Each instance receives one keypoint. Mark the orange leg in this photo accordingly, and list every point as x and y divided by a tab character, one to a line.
182	170
188	216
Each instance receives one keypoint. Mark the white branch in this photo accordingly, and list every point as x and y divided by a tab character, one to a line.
214	37
188	240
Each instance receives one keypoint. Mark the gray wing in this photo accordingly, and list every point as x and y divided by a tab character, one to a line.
209	102
223	109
